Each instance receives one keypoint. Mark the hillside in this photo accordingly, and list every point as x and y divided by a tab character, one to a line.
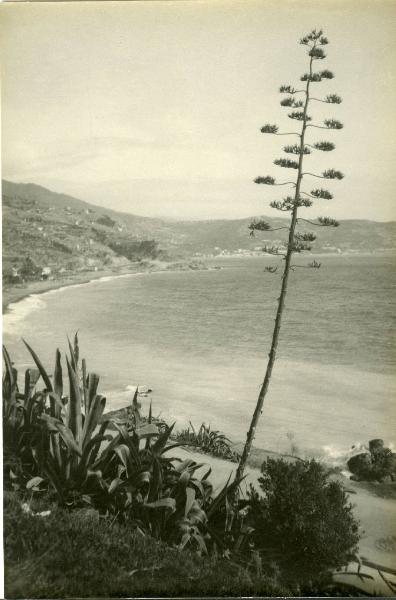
44	229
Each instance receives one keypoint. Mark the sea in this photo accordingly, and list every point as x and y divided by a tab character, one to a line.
200	340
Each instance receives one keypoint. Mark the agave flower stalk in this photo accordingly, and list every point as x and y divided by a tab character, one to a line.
297	242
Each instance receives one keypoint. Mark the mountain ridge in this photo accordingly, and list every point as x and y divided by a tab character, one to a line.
63	232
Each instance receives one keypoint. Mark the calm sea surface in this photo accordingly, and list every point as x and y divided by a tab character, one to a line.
200	340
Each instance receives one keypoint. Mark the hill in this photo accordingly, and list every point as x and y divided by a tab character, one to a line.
42	228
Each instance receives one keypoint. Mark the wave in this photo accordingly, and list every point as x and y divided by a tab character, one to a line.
19	311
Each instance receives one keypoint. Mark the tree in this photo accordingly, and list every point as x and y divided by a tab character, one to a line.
297	241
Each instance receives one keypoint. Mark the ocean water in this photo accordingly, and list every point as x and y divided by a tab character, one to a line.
200	340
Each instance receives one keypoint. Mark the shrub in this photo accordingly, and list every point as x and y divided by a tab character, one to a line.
304	520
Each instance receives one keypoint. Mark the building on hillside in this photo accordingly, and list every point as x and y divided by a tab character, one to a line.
45	273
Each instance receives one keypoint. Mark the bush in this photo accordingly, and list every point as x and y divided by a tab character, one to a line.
304	520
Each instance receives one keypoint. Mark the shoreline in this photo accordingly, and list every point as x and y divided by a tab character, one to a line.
13	294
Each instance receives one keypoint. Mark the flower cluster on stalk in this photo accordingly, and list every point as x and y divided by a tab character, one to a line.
302	241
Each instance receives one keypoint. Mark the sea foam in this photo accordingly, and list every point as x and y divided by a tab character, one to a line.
17	312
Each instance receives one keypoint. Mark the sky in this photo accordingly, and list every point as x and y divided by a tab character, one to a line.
155	108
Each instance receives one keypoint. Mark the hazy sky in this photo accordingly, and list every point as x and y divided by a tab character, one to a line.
155	107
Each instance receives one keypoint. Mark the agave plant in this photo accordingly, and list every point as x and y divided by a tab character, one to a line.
71	433
21	413
207	440
64	441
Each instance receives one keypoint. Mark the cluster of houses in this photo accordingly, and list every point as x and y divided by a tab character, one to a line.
27	271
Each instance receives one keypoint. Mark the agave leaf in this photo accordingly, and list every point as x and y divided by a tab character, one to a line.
55	449
89	454
84	384
72	357
156	480
198	485
184	479
227	489
184	541
50	422
124	454
209	471
169	503
107	452
74	412
92	419
40	367
58	376
100	433
142	478
197	515
56	405
67	436
93	382
116	482
76	349
136	406
9	369
150	413
129	443
50	471
184	465
201	542
31	378
34	482
219	498
190	498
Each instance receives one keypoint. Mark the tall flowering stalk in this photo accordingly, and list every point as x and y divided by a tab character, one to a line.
298	101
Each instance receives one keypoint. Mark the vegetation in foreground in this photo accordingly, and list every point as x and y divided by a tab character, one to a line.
79	554
89	496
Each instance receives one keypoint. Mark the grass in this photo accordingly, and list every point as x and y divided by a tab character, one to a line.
76	554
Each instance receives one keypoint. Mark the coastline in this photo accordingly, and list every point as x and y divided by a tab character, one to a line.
15	293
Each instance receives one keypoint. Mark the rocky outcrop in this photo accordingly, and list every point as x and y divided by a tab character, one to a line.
379	464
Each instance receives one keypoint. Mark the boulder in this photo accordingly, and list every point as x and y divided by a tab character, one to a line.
376	445
360	465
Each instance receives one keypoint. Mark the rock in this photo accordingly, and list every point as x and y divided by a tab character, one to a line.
360	465
376	445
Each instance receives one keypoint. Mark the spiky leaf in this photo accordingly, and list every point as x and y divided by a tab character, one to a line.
267	180
269	128
324	146
332	174
321	193
328	222
333	124
286	163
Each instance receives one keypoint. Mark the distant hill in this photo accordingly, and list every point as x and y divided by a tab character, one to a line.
44	228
